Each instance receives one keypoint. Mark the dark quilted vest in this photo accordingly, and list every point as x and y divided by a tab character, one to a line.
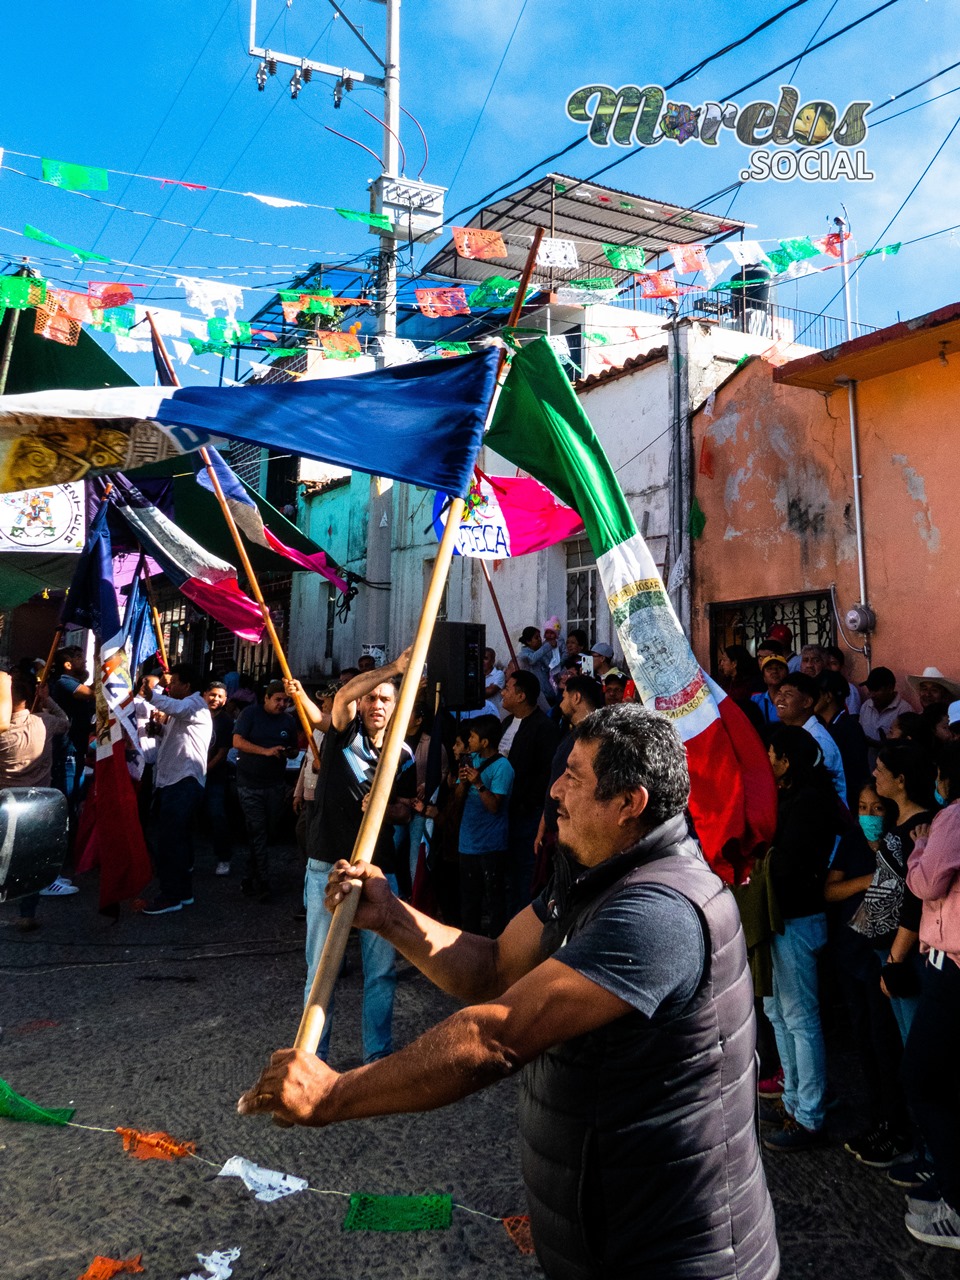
639	1141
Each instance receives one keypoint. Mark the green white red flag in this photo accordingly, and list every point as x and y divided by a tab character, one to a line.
540	427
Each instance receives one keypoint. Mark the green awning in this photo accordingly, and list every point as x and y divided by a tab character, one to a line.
37	364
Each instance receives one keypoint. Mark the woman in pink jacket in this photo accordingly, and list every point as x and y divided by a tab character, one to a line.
932	1053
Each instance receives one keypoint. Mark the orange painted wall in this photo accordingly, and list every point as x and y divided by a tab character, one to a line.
779	505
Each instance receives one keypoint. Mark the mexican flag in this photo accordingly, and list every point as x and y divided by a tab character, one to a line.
540	427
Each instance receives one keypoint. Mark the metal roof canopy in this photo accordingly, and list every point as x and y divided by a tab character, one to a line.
589	214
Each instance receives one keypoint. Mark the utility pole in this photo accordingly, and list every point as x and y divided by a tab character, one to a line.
375	617
416	212
861	617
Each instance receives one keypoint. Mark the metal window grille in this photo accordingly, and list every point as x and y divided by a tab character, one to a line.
747	622
583	586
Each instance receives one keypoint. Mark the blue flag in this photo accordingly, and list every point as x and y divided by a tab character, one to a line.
138	625
92	599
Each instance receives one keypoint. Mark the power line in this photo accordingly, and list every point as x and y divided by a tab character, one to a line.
685	75
166	117
903	204
916	107
496	75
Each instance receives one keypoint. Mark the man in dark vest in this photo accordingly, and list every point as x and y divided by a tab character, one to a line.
623	995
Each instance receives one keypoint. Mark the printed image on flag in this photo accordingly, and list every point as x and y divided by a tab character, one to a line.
507	516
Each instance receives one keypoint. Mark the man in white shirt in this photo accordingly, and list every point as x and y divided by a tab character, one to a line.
493	679
179	778
881	706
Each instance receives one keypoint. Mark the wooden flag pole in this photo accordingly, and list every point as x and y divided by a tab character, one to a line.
258	596
54	646
314	1013
496	605
331	958
247	567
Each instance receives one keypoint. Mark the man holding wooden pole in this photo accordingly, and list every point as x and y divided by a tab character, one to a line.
354	733
624	997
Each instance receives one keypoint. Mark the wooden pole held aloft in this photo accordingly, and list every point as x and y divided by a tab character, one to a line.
496	605
328	968
314	1014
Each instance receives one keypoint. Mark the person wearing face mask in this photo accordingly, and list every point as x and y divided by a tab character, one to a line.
890	914
933	1047
887	1137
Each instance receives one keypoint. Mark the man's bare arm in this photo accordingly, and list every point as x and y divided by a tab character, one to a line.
472	1049
318	720
345	703
465	965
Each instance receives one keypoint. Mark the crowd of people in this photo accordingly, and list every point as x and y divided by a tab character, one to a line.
859	892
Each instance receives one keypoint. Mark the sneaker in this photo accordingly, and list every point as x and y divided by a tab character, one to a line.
928	1194
929	1210
27	924
59	889
161	907
187	902
772	1111
943	1232
793	1137
223	869
915	1172
772	1087
879	1147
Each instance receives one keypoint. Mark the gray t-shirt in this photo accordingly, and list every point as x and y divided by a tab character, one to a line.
644	945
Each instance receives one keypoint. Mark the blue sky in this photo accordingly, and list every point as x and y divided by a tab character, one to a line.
169	90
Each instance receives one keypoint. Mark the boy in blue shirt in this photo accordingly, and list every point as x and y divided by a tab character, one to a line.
486	778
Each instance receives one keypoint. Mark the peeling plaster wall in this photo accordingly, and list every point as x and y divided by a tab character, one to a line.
779	505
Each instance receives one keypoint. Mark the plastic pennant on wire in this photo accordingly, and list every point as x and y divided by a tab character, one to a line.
13	1106
155	1146
398	1213
440	303
103	1268
517	1228
477	242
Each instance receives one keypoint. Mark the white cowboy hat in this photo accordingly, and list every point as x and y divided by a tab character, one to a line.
935	675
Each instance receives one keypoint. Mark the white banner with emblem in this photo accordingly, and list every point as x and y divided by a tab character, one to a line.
47	519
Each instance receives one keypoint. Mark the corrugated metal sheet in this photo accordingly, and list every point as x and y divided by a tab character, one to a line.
587	213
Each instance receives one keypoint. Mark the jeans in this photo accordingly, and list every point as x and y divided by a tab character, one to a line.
482	883
417	833
794	1011
218	818
177	805
930	1074
261	810
905	1007
379	977
520	860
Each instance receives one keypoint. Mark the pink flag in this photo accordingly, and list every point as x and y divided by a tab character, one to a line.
508	516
